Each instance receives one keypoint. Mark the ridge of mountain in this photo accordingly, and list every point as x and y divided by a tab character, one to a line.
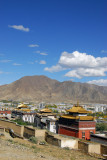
42	88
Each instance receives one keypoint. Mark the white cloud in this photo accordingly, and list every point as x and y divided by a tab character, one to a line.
103	51
77	59
16	64
42	62
44	54
80	65
19	27
56	68
100	82
86	72
41	53
5	61
33	45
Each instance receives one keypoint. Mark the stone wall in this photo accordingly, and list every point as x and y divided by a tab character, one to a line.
40	133
2	130
74	143
94	148
18	129
23	131
60	141
34	132
83	146
52	140
103	149
88	147
29	132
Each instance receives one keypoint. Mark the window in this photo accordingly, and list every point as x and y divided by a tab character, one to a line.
83	135
91	132
54	127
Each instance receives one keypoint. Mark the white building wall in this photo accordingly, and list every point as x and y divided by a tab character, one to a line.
6	115
52	127
72	144
28	118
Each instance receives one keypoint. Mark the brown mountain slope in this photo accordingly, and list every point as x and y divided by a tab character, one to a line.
42	88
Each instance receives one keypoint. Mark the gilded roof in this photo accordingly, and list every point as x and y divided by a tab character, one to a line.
46	110
77	109
78	117
22	106
46	114
24	110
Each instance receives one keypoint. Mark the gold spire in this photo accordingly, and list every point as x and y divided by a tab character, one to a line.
77	103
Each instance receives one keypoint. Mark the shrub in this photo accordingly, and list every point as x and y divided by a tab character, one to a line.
33	140
10	140
33	147
66	148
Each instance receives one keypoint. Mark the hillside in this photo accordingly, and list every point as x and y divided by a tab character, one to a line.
20	149
42	88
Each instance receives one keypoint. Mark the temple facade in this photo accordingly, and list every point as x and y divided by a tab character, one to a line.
45	119
77	123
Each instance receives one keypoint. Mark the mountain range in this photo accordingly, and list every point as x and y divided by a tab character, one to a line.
42	88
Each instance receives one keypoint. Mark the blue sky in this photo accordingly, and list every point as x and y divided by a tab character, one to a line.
62	39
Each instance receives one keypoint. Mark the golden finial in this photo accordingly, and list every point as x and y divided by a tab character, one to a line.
77	103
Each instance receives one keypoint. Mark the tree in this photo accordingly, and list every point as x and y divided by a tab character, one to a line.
101	127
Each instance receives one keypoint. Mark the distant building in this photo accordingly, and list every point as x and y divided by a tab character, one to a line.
5	114
99	108
23	107
42	117
17	112
28	117
76	123
52	125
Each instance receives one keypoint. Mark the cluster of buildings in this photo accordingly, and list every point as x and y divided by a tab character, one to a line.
74	122
96	108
